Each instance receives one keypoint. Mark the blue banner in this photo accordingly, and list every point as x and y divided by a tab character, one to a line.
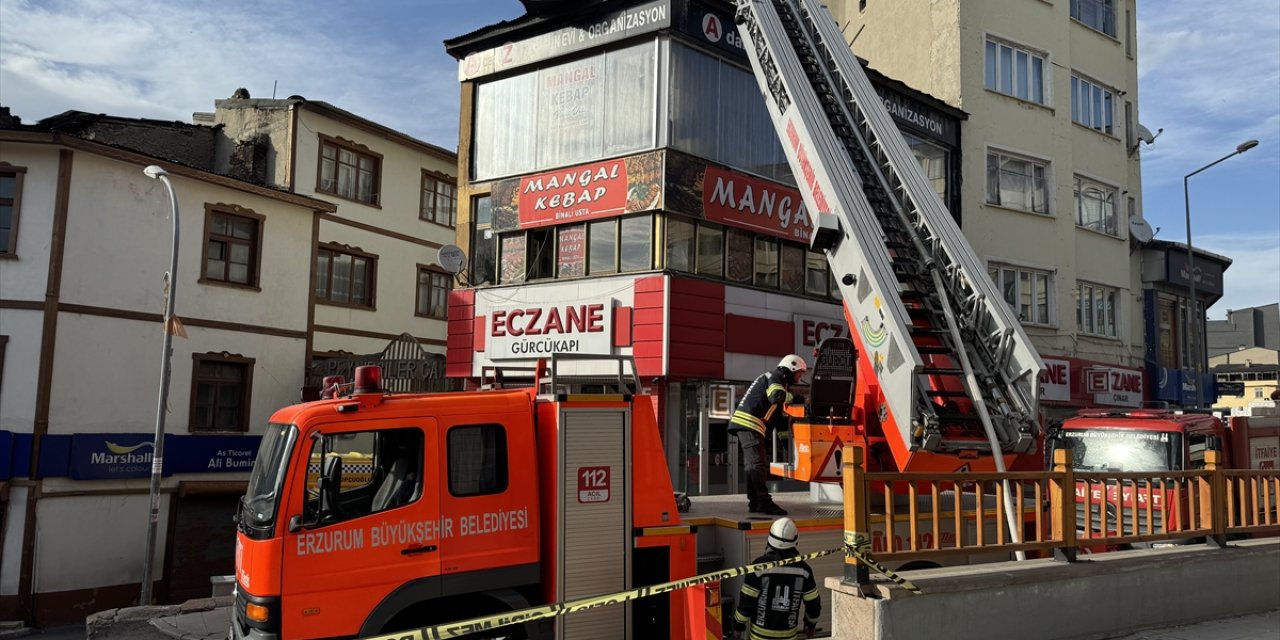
210	454
103	456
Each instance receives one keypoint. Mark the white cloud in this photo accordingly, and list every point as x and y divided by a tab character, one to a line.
166	60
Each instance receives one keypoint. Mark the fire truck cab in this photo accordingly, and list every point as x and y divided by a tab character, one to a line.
375	513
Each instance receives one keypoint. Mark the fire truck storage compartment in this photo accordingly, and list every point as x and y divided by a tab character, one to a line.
595	546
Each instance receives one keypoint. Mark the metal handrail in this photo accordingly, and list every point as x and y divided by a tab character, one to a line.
915	516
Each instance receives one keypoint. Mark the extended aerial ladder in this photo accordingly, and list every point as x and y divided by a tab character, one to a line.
944	368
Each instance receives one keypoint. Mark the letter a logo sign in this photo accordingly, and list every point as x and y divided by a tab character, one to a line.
711	27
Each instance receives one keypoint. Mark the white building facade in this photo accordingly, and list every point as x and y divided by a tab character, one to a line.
1050	166
81	308
375	275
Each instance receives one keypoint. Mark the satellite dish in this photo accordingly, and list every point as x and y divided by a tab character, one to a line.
451	258
1140	231
1145	135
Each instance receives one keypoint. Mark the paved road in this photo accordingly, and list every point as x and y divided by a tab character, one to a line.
1263	626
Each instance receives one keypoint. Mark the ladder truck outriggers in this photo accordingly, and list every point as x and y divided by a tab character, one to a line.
375	513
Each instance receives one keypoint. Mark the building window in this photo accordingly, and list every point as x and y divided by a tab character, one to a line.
1029	292
710	250
716	113
10	207
1017	183
477	460
766	262
1257	392
739	256
933	161
439	201
817	275
1015	72
484	244
220	386
514	252
1092	105
1095	206
571	260
793	268
349	170
540	258
1099	15
602	247
635	244
232	245
1096	311
600	106
345	276
680	244
433	293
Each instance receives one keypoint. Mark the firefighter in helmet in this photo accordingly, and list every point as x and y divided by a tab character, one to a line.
759	411
770	601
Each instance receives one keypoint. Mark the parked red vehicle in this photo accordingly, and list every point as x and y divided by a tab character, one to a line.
1150	441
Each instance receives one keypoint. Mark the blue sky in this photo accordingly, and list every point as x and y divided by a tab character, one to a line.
1209	76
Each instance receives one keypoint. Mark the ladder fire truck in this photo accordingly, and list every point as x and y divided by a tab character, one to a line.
373	513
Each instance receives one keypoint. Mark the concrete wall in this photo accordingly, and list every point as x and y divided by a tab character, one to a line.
1103	596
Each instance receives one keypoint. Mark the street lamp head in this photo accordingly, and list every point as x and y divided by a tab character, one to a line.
1246	145
154	171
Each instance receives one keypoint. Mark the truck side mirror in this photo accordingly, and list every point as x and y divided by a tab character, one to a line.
295	524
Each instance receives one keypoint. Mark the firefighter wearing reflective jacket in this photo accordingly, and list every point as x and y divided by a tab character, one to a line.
770	601
759	411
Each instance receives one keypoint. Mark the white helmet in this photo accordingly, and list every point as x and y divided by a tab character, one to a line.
783	534
793	363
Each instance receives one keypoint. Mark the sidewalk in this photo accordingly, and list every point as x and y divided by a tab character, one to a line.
1261	626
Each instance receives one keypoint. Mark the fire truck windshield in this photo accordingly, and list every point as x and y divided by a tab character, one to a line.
258	509
1113	449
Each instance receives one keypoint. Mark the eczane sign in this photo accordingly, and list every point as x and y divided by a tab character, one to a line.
538	330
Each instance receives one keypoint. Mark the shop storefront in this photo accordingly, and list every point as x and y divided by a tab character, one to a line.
1070	384
1175	331
624	193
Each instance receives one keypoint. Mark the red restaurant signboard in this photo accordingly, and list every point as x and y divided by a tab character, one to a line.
579	193
739	200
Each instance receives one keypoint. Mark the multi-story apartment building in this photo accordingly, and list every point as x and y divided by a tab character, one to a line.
308	245
376	277
85	242
1050	171
616	160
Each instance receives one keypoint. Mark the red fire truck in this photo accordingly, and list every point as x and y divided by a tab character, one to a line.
1152	441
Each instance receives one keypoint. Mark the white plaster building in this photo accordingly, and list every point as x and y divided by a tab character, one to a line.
87	241
1049	164
376	274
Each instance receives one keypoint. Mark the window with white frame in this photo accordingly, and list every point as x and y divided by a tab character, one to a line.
1017	183
1092	104
1029	292
1015	71
1095	206
1096	312
1099	15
